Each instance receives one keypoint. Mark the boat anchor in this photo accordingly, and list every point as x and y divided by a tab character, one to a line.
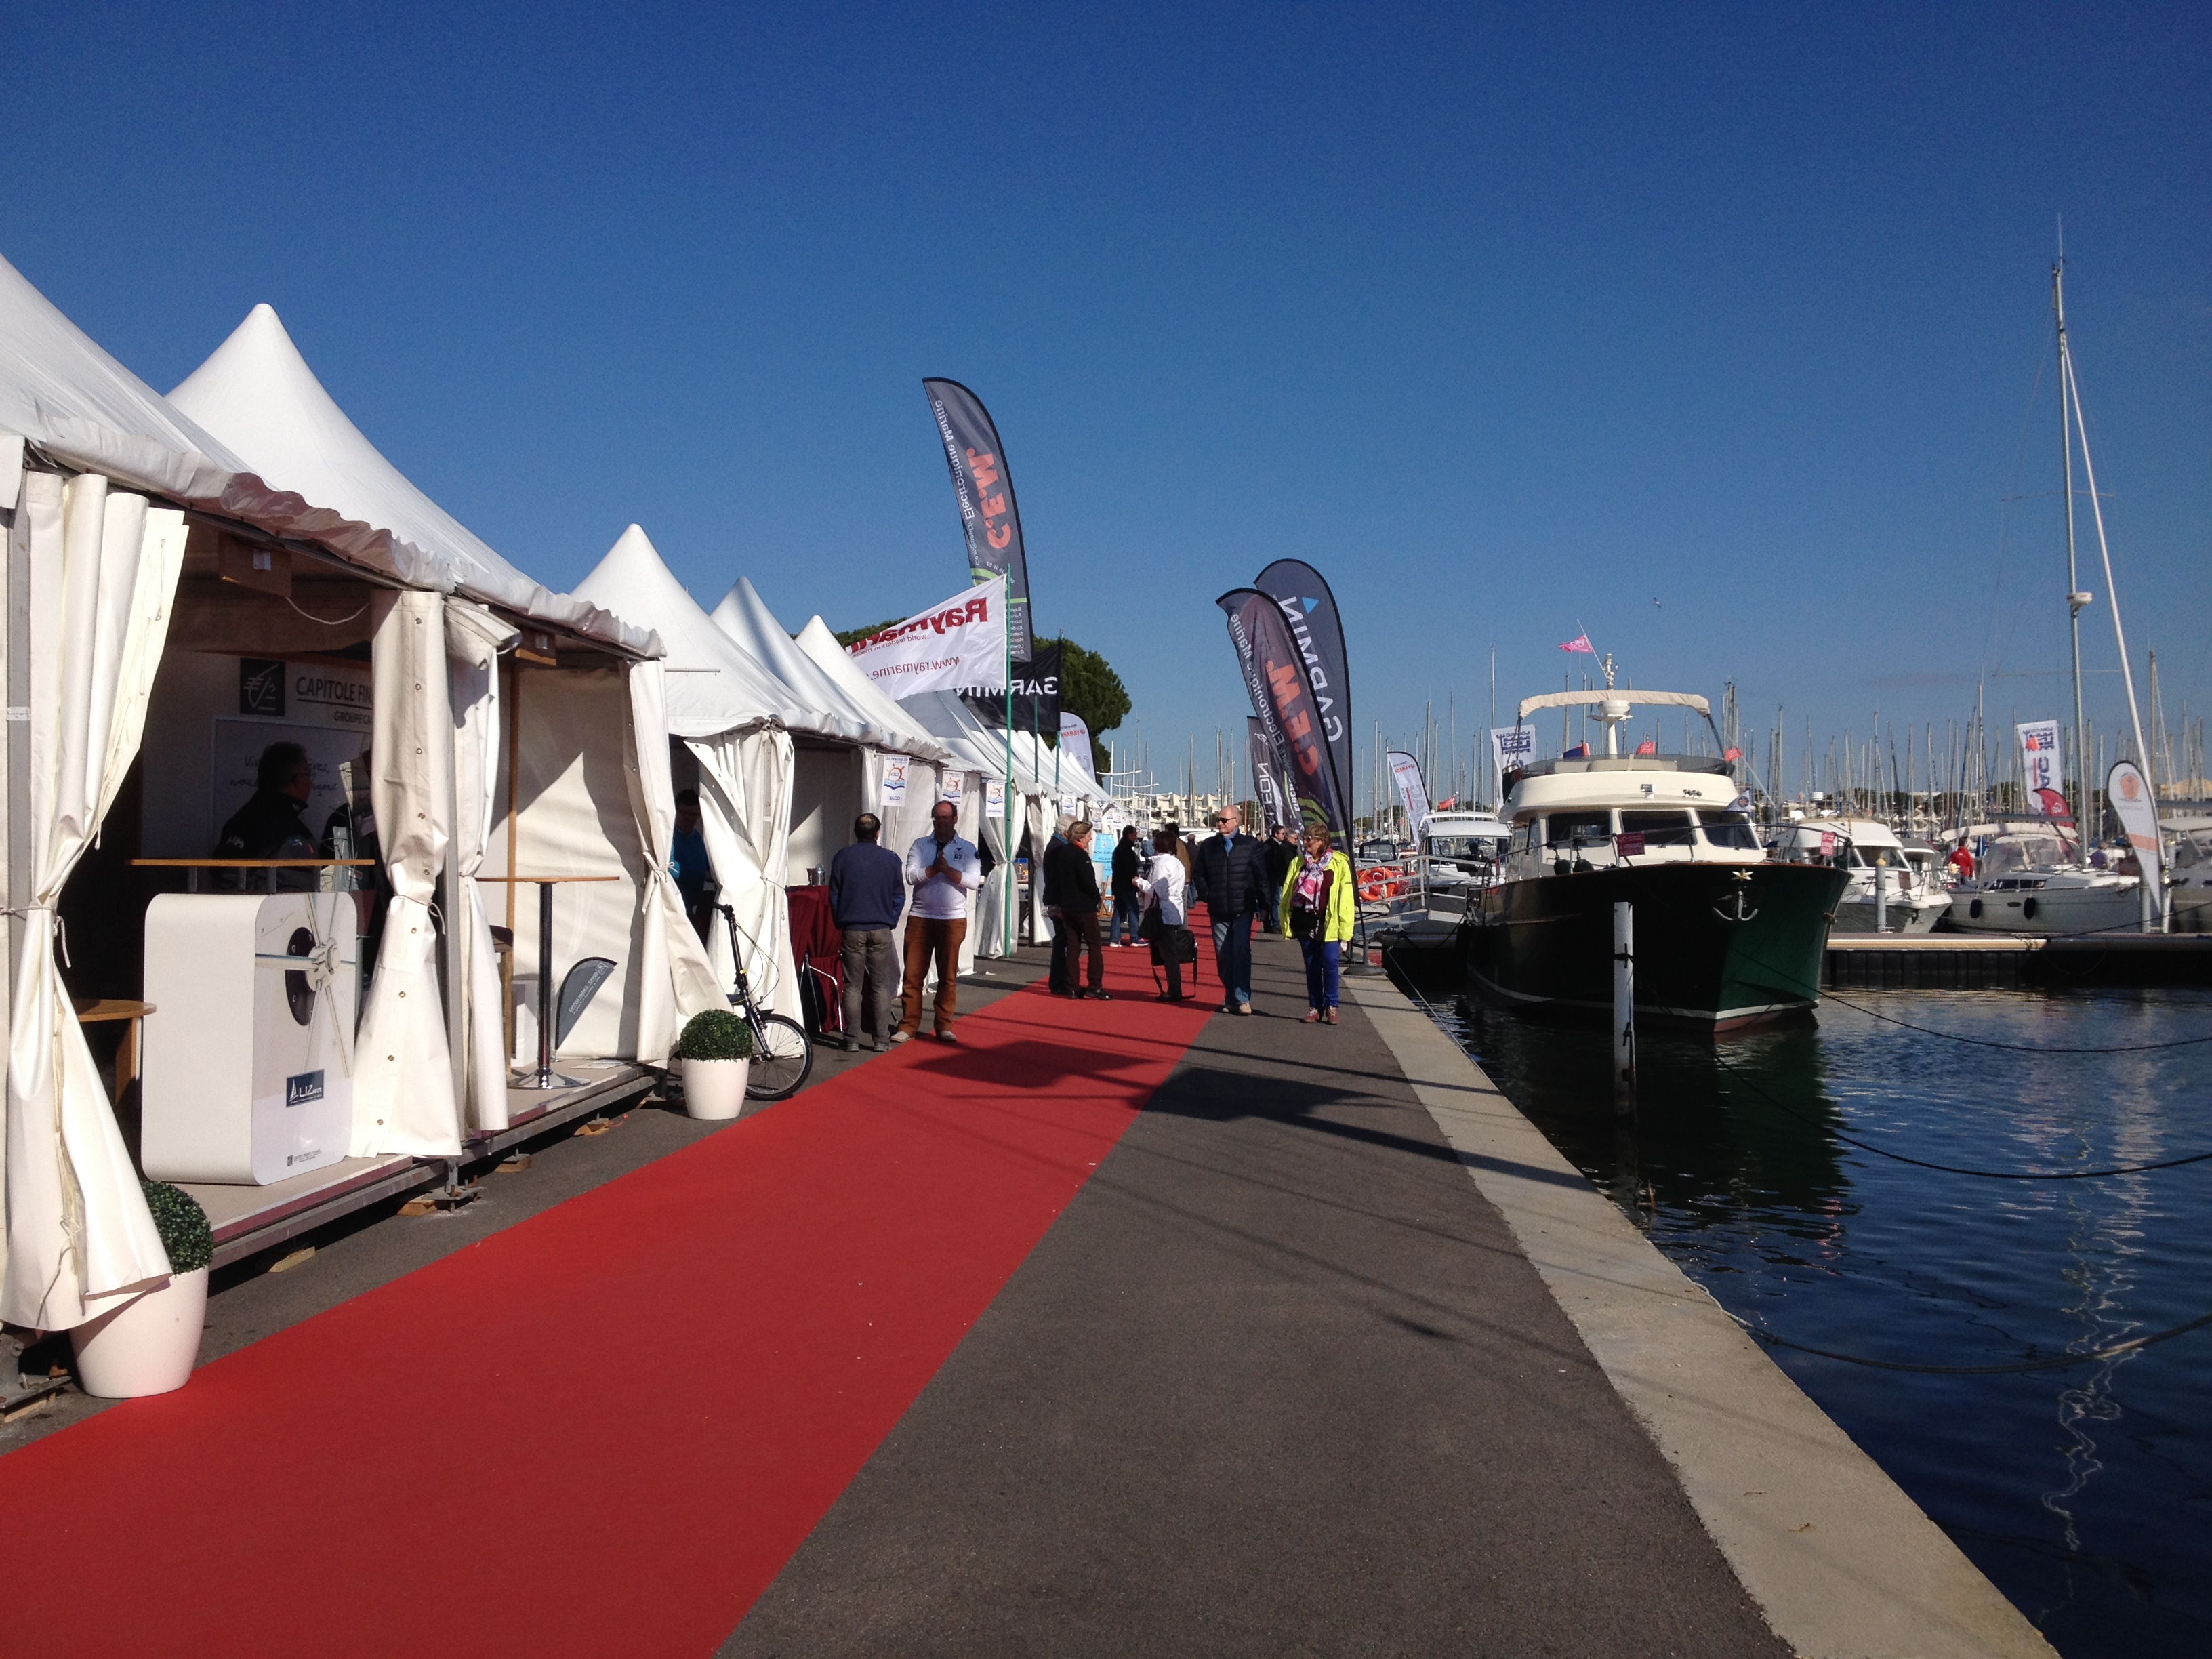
1739	913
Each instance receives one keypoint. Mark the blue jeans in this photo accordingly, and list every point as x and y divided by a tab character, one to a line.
1126	913
1232	955
1321	959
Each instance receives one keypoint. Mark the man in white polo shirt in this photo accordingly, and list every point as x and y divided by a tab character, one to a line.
943	869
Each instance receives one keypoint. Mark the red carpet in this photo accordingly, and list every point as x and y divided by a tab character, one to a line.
604	1430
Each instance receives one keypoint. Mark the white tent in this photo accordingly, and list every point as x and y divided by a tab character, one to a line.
260	395
738	720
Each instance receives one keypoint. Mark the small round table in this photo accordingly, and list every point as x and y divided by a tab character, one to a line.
545	1076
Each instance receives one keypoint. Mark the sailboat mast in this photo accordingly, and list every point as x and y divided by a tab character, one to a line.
2075	599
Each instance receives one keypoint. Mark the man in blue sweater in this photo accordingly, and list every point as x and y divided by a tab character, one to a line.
867	890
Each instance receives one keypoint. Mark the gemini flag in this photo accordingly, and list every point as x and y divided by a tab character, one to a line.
1275	679
1580	642
986	492
1310	610
2040	770
1511	747
960	642
1075	742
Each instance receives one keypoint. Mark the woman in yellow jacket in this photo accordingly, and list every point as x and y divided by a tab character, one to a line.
1319	904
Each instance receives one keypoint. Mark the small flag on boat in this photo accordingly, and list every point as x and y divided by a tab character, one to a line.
1580	642
1648	746
1734	755
1580	751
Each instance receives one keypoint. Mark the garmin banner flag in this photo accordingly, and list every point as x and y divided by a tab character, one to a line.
1037	695
986	493
1266	781
960	643
1309	608
1274	671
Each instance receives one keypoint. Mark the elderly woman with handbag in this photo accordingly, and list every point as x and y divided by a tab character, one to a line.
1319	904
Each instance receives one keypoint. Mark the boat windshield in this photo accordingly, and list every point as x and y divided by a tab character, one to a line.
2191	848
1578	829
1731	829
1866	858
2023	850
1466	846
1671	829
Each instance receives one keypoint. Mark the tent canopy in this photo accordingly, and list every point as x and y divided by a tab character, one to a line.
745	618
713	684
257	394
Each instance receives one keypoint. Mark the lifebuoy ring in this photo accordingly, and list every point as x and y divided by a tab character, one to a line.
1380	882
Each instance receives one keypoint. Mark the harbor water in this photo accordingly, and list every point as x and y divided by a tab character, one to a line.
2084	1494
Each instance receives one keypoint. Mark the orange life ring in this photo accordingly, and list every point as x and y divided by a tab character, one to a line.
1380	882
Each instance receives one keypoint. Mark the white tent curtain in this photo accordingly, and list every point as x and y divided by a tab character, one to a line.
1037	813
971	827
686	986
103	574
402	1087
474	639
745	815
991	899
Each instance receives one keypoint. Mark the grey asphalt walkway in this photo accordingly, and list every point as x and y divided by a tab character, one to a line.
1277	1381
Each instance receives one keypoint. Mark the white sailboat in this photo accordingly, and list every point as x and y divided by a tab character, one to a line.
2028	877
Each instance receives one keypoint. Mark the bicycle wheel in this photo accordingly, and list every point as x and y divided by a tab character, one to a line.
782	1056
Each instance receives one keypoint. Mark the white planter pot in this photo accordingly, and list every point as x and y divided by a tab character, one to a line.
147	1345
714	1089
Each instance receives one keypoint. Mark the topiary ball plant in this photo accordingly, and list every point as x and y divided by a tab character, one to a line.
182	1225
717	1033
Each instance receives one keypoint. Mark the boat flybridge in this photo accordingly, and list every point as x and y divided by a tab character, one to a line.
1724	935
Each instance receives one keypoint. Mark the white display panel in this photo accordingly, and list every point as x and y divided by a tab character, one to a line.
249	1060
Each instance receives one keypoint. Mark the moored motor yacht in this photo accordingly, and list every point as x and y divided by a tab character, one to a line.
1890	889
1461	853
1724	935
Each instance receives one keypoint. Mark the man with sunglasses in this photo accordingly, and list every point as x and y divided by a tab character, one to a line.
1231	875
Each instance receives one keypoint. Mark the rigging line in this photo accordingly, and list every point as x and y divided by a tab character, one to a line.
2116	1350
1953	1169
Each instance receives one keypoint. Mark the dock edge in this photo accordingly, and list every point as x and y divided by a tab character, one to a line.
1842	1563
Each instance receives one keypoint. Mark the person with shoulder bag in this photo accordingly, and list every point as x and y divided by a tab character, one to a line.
1164	891
1318	905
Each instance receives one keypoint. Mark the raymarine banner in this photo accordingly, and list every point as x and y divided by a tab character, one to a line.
960	642
1275	679
1075	742
1510	746
1266	781
2040	770
1309	608
1413	793
986	492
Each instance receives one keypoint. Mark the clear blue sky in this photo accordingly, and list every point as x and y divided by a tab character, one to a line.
1716	330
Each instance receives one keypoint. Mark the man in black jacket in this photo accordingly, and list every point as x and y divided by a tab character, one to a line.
1281	852
1128	912
1075	886
1231	876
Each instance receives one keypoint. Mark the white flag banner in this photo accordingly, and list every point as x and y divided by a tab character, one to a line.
2128	791
959	644
1510	746
894	783
1412	795
954	787
2040	770
1075	742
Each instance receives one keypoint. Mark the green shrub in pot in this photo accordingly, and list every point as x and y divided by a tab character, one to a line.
717	1033
182	1225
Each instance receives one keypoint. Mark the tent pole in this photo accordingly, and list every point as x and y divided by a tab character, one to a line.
1012	891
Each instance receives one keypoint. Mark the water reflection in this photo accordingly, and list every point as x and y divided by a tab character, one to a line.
2086	1495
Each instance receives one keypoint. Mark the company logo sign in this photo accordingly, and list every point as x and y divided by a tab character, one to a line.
302	1087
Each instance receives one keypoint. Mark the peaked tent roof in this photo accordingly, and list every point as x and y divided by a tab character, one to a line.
257	394
745	618
713	684
69	398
